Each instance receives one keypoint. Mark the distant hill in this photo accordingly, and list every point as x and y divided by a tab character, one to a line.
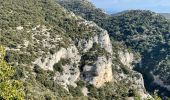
120	13
167	15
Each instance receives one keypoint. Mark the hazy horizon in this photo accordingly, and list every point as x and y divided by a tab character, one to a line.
113	6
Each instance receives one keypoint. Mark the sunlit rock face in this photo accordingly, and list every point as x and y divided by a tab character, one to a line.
126	58
96	74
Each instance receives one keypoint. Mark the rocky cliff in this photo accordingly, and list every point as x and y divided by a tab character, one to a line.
96	73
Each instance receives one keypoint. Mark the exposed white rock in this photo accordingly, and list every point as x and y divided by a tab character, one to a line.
71	73
85	45
33	29
100	73
104	72
26	43
134	78
103	40
126	58
69	76
85	91
137	78
12	49
19	28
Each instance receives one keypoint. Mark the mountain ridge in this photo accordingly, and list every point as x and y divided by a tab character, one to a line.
167	15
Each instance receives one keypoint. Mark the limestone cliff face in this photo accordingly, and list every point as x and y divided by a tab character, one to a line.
101	70
71	71
96	74
104	72
126	58
133	77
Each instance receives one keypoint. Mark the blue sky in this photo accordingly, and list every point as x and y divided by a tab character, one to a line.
160	6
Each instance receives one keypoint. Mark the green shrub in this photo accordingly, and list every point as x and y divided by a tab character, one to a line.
75	92
80	83
58	67
48	97
19	73
52	51
37	69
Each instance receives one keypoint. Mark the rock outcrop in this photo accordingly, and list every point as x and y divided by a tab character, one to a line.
128	75
126	58
96	74
99	73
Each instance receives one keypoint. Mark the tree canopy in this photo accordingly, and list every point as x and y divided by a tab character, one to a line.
9	89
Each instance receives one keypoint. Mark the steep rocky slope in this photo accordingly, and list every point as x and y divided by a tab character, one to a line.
144	32
59	55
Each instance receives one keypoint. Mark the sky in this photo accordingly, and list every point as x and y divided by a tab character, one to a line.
112	6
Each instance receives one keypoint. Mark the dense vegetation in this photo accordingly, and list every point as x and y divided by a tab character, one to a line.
85	9
10	89
147	33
